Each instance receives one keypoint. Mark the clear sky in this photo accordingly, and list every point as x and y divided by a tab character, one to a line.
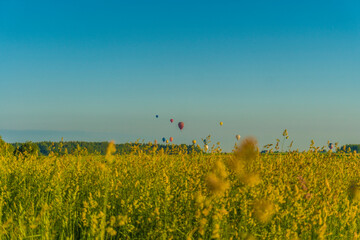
101	70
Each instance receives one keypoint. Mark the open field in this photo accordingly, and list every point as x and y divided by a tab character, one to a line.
156	195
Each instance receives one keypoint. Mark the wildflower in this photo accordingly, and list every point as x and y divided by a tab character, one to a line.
263	210
247	151
327	184
216	185
307	196
285	133
220	169
216	181
247	236
33	226
250	179
112	220
203	223
122	220
215	232
111	231
199	198
302	183
354	191
110	150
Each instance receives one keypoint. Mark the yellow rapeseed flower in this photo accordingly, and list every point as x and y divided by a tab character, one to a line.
263	210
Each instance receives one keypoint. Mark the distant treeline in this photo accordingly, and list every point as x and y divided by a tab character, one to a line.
350	148
72	147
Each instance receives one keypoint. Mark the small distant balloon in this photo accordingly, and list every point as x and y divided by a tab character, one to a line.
155	142
167	141
157	116
171	120
221	123
181	125
171	139
331	145
194	142
238	137
206	147
163	139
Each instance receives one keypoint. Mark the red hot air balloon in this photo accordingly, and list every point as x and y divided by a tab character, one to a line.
171	120
171	139
181	125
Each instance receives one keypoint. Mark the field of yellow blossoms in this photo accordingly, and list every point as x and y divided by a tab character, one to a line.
180	195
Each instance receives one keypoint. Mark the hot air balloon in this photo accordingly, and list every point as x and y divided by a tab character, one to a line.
163	139
237	137
167	141
181	125
157	116
194	142
206	147
221	123
155	142
171	139
171	120
331	145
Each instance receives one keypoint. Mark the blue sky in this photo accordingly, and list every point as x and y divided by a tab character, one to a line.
94	70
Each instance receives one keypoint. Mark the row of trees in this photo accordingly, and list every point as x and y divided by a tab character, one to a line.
76	147
350	148
5	148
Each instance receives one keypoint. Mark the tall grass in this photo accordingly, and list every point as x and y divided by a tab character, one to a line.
156	195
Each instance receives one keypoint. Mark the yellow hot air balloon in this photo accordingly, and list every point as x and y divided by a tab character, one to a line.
237	137
221	123
167	141
206	147
194	142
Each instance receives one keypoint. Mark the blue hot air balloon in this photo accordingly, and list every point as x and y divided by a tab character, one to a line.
157	116
163	139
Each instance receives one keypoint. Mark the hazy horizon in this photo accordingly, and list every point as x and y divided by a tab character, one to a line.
20	136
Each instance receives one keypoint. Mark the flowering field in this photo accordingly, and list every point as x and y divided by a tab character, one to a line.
159	195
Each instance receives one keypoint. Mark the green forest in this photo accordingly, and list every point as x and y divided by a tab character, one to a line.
99	148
